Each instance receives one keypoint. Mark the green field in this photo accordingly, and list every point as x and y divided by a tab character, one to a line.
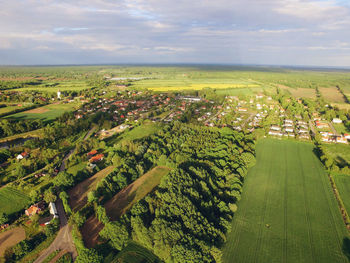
343	185
12	200
339	152
46	113
134	253
288	212
54	86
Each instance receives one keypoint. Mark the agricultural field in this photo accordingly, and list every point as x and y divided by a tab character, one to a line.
55	85
12	200
78	194
11	237
46	113
288	212
332	94
339	152
12	107
300	92
343	185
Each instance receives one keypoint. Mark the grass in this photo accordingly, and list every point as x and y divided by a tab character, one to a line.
288	212
332	94
339	152
343	185
78	194
34	133
138	132
54	86
51	256
134	253
127	197
340	128
12	200
46	113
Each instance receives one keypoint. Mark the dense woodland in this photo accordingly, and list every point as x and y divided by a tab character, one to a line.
186	219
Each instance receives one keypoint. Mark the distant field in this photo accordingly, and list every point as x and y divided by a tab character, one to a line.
12	200
46	113
54	86
134	253
339	152
300	92
163	85
36	133
288	212
7	109
78	194
343	186
332	94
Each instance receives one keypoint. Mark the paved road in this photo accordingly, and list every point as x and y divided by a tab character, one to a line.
63	240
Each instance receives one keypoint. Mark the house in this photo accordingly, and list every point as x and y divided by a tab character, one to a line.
301	131
53	210
341	139
275	128
275	133
96	158
289	130
321	124
92	153
347	136
34	209
242	109
22	155
337	121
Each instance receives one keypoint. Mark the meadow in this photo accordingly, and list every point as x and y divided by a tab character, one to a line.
54	86
134	253
343	185
288	212
339	152
46	113
12	200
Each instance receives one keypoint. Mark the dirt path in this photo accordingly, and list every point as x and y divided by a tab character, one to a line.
11	237
78	194
123	201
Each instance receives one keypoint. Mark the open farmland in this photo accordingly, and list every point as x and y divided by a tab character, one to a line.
78	194
134	253
332	94
343	185
54	86
300	92
12	200
46	113
288	212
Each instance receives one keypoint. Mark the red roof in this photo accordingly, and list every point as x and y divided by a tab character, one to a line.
96	158
93	152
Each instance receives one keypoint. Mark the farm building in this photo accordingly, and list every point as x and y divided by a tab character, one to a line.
34	209
22	155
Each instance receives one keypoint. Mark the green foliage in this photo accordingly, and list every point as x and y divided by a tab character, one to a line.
50	196
117	233
88	256
3	218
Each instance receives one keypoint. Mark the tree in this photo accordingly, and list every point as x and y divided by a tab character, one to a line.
49	196
3	218
88	256
117	233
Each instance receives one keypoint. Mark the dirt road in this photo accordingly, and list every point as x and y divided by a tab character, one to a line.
64	240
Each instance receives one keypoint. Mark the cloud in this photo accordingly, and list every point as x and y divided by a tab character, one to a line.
199	31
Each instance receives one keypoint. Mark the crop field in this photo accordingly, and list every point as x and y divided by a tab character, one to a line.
332	94
162	85
300	92
78	194
54	86
46	113
12	200
343	185
288	212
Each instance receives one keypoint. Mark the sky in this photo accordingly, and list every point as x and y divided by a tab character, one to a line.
266	32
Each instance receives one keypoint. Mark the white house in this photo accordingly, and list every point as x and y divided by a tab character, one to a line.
53	210
336	120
